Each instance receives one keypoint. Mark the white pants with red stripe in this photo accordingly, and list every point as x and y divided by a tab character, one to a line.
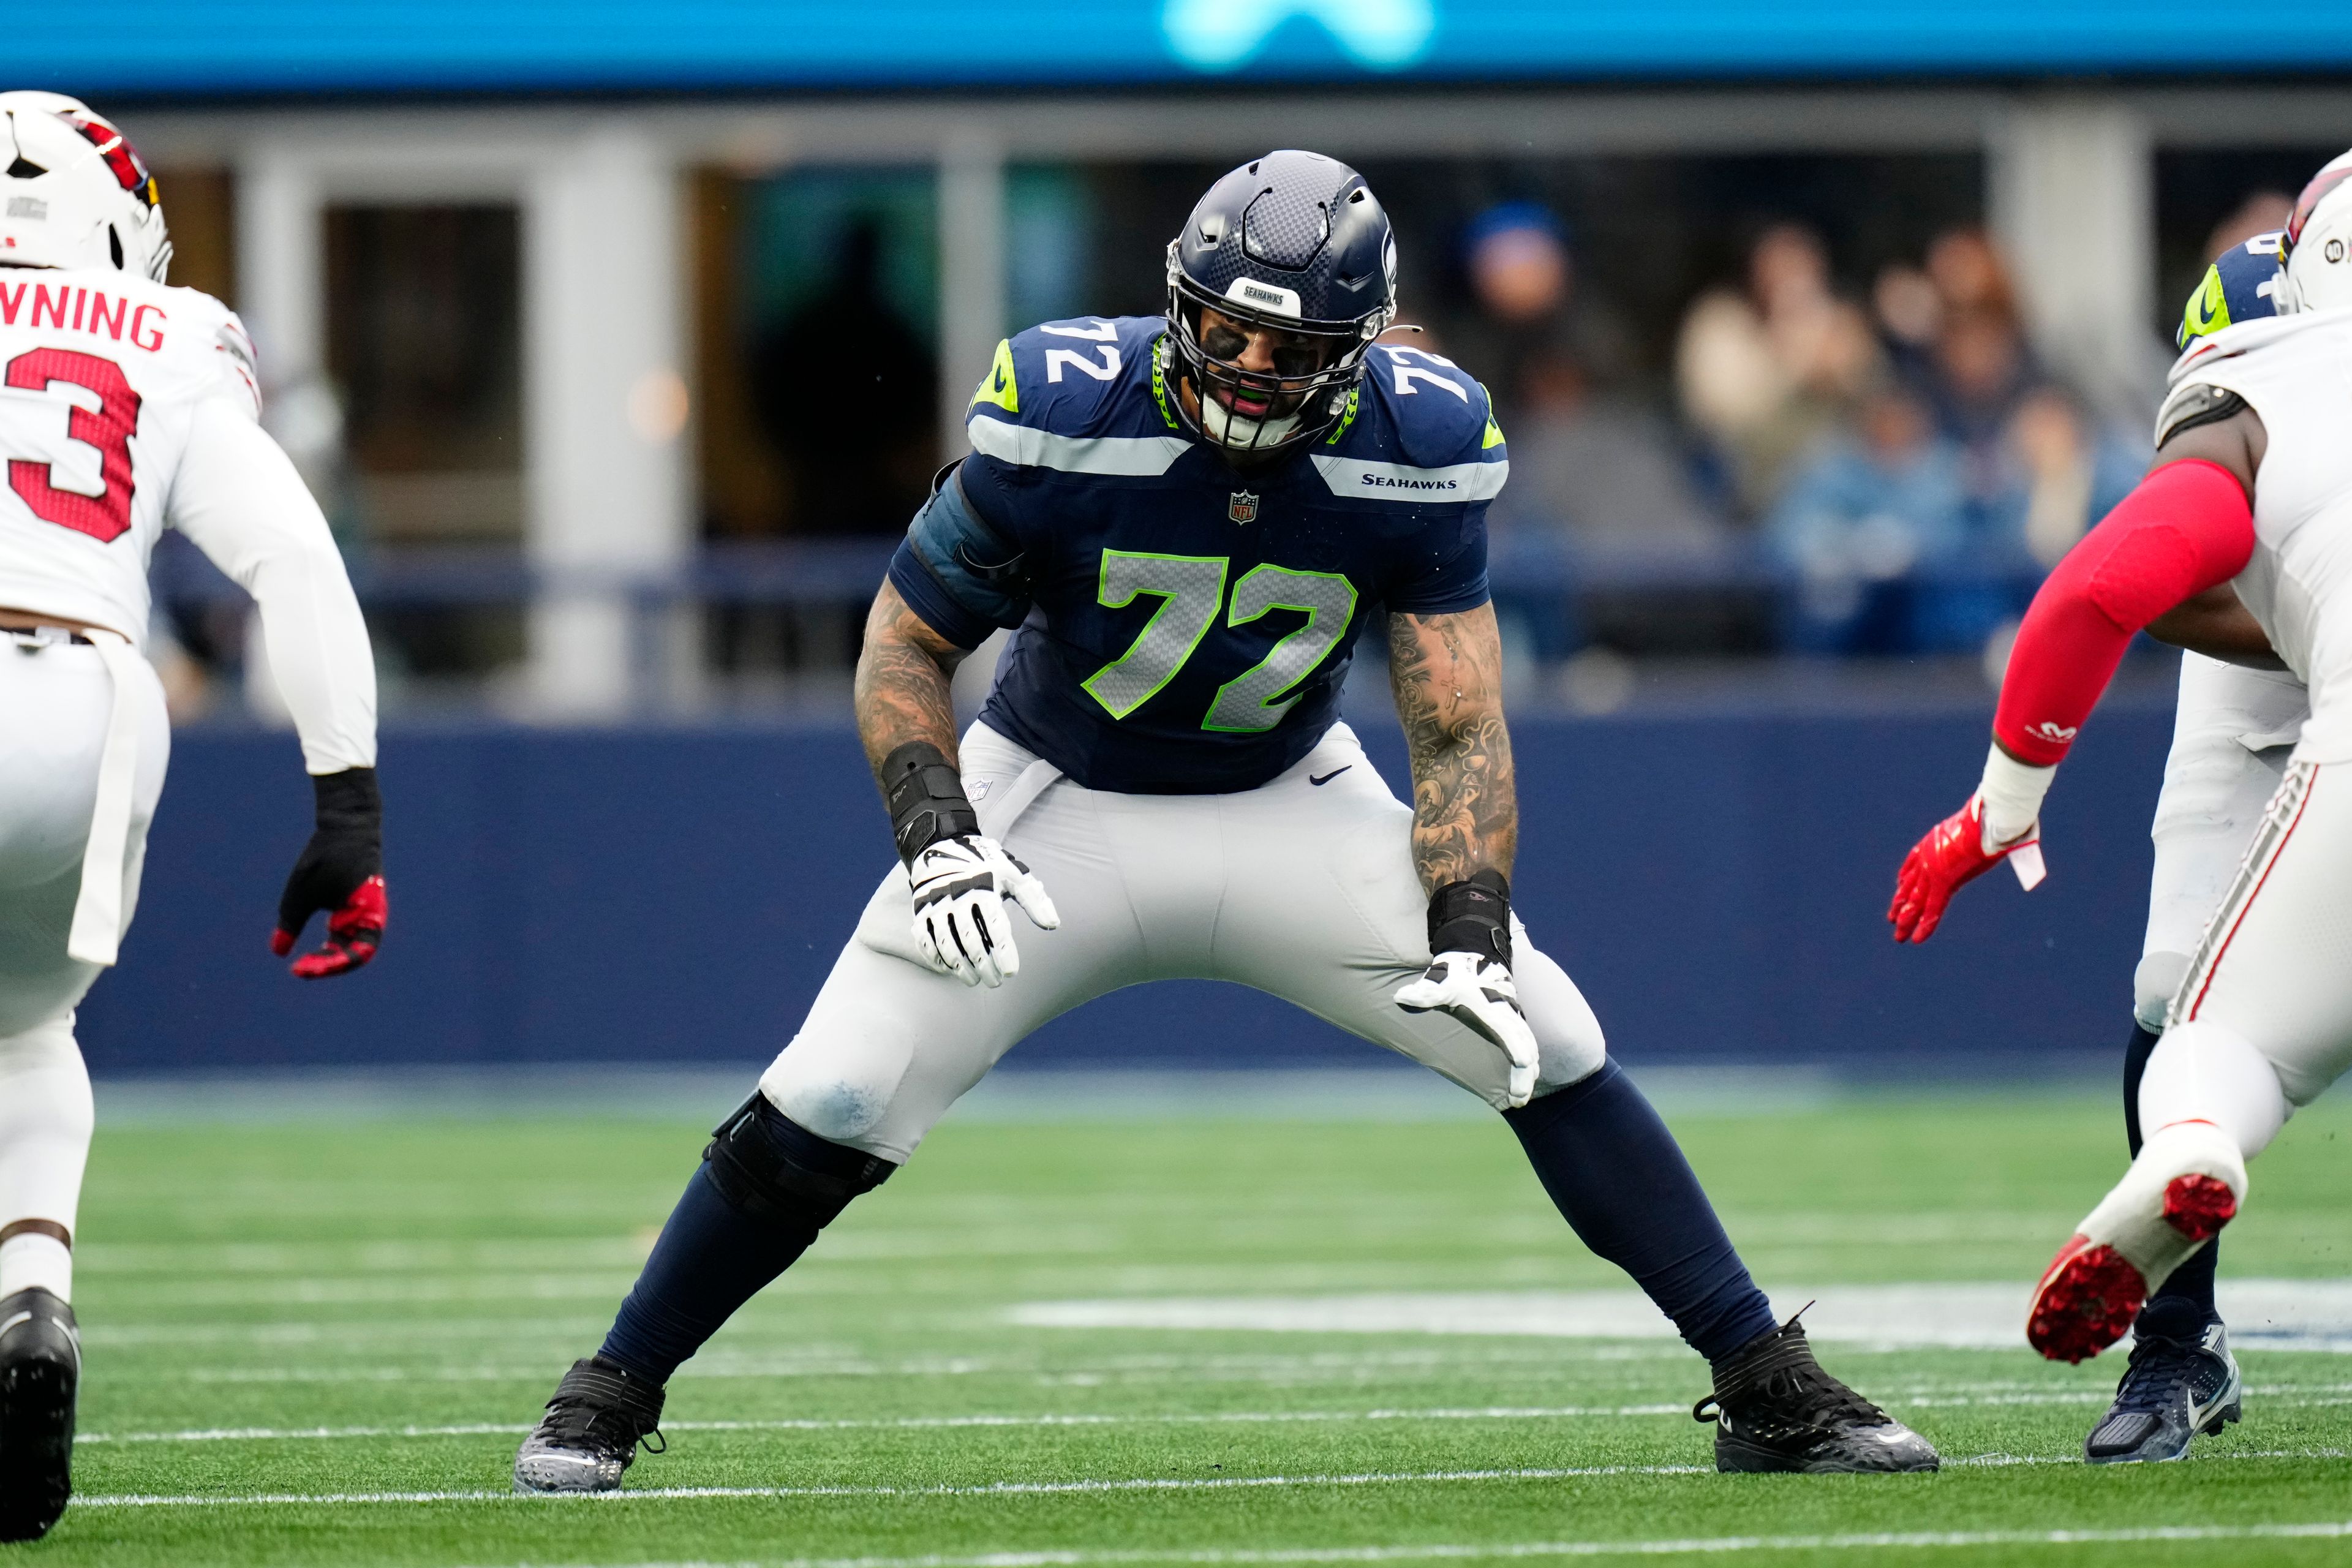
2232	733
1303	887
2262	1022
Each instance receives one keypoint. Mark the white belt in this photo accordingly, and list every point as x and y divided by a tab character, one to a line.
998	813
97	912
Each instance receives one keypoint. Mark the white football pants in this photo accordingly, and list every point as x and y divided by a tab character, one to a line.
2262	1022
1302	888
2231	734
56	701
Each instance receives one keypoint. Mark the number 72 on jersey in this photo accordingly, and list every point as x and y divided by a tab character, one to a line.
1192	590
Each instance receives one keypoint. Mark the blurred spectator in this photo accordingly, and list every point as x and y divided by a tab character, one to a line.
1522	274
847	393
1974	369
2061	478
1767	373
2261	213
1598	472
1865	513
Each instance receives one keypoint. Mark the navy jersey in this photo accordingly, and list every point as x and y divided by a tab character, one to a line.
1184	624
2240	286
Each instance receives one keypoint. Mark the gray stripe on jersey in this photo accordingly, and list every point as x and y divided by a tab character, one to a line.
1146	457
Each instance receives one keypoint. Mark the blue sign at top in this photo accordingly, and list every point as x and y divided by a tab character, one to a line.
205	47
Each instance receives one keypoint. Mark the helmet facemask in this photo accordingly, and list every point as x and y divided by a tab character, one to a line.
1260	411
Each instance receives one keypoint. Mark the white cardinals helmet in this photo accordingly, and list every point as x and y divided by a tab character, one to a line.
73	193
2317	245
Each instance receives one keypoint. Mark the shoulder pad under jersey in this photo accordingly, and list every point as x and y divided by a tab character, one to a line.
1086	396
2192	403
1417	427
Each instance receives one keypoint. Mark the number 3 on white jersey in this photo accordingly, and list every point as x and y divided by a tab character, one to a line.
83	483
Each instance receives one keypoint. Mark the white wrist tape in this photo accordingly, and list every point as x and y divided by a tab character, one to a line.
2012	793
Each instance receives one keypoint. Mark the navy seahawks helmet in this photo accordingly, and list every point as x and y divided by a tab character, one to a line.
1296	244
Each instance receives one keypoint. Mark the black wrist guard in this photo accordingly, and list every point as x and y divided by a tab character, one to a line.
1473	916
926	797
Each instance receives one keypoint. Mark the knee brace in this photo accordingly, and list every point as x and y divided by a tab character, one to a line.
773	1170
2159	975
2203	1072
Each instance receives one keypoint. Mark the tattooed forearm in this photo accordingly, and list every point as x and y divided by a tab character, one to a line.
1446	673
902	682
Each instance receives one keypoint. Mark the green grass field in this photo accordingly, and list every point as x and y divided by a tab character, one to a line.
319	1344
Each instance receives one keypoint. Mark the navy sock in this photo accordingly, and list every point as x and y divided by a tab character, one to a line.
2189	1288
766	1186
710	1260
1621	1181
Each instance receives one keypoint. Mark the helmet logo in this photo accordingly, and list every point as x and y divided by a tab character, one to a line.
1243	506
1270	297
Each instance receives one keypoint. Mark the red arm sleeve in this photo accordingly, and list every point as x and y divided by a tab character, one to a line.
2186	528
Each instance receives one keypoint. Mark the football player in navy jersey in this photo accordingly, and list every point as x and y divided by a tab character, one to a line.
1189	520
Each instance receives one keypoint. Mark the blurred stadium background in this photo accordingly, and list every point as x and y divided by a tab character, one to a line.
620	341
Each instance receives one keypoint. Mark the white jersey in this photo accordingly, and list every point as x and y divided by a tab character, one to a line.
127	406
2296	373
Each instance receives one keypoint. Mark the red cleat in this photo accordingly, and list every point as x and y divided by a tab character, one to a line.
2088	1299
2199	1206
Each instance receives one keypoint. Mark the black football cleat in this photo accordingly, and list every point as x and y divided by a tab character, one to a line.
2173	1389
600	1413
1776	1409
40	1371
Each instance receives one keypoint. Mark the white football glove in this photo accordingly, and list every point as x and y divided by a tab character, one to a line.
961	928
1478	994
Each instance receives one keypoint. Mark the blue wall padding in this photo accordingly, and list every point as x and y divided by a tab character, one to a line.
1717	885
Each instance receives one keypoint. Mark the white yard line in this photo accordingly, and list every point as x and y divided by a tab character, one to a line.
2314	1314
1036	1488
987	1489
913	1422
1216	1557
2281	1399
1230	1368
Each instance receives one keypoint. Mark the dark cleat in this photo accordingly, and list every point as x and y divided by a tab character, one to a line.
40	1369
1776	1409
2175	1389
591	1431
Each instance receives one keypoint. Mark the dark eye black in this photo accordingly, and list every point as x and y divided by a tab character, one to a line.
1223	343
1297	361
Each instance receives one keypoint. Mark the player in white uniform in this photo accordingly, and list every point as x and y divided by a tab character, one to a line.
2252	488
125	407
2238	713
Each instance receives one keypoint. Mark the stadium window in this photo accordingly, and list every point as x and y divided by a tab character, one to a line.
424	325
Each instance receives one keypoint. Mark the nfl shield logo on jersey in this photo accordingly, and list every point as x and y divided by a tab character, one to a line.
1243	508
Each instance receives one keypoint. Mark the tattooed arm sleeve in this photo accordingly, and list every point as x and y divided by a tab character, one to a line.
902	682
1446	672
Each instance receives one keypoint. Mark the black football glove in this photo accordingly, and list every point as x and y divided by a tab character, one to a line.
341	872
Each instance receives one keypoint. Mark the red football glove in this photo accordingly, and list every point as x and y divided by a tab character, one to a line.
1951	855
354	932
340	871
